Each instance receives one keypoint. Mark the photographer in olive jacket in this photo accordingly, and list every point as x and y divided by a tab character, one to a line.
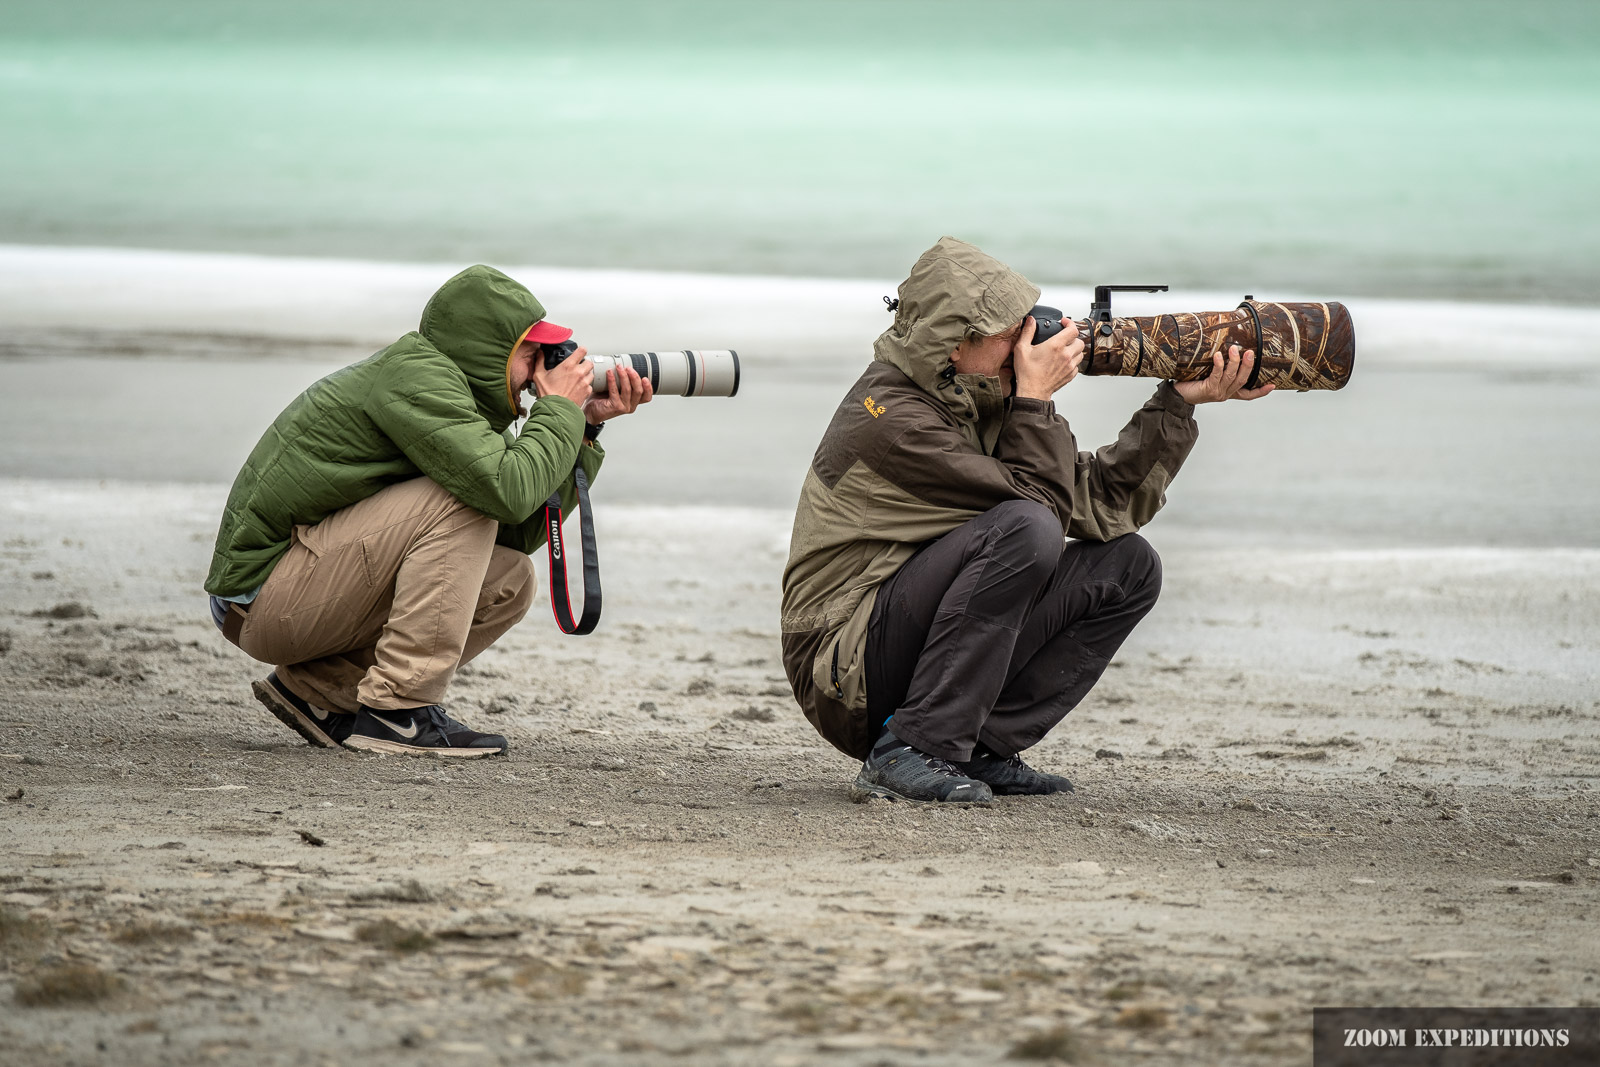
378	535
935	624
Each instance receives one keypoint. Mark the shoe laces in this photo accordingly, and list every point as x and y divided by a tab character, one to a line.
1014	767
1014	761
933	763
442	722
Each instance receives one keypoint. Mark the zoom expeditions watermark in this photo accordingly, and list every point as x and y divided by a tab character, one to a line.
1397	1038
1456	1037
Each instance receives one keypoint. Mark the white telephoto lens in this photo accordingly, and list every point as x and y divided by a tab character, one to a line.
692	372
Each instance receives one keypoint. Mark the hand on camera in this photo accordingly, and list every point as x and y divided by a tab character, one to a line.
1226	381
1041	370
572	378
624	393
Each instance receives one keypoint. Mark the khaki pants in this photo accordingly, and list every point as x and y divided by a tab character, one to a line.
380	602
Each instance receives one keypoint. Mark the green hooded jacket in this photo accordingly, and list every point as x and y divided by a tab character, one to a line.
437	402
916	449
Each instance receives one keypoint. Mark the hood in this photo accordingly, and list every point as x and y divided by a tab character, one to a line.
953	287
476	319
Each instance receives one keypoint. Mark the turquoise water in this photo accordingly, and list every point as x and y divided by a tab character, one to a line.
1421	149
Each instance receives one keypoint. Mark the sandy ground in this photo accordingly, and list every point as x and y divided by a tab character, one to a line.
1312	778
1349	759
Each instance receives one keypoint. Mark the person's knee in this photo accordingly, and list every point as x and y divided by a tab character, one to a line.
508	587
522	584
1031	532
1141	566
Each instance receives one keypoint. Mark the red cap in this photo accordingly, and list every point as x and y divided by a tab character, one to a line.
545	332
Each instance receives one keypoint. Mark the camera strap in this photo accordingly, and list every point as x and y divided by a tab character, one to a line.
560	597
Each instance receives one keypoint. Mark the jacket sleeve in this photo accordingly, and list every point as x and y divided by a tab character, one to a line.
428	411
1121	487
1032	461
530	535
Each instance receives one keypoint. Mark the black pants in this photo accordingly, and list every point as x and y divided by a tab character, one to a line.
994	631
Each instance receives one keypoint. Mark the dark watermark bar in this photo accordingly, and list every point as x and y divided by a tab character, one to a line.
1456	1037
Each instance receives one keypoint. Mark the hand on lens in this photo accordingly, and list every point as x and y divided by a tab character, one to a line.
1226	381
625	391
1043	369
572	378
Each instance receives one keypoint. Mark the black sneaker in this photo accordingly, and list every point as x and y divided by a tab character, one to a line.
326	729
1009	776
424	731
896	771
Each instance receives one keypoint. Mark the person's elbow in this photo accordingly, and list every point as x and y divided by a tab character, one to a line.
506	515
501	501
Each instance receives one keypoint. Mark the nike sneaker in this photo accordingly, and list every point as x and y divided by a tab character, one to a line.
1009	776
896	771
326	729
424	731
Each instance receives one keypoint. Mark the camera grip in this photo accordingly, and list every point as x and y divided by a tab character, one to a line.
1047	322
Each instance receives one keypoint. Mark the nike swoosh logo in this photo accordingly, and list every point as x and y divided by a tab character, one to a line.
410	727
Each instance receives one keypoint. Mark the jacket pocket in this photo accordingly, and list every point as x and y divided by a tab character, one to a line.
824	669
839	671
849	674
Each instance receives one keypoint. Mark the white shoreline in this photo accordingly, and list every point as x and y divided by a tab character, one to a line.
45	289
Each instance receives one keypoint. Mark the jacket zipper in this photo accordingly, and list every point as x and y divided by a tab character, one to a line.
838	690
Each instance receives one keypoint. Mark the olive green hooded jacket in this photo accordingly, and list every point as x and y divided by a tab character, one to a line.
916	449
437	402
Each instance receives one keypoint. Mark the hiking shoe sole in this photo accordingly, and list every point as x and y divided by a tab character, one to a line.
396	748
291	716
862	791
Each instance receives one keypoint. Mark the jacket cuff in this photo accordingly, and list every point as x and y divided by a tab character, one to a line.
1168	398
1028	405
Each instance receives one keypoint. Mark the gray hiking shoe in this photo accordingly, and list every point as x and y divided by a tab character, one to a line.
323	728
1009	776
896	771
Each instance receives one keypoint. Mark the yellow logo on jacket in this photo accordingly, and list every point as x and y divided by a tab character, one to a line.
875	409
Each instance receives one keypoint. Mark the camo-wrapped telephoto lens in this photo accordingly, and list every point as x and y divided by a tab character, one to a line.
1298	346
688	372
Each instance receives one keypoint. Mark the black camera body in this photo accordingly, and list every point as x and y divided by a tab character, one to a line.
554	354
1047	322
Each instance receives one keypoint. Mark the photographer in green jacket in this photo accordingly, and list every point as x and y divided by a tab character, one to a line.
378	535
